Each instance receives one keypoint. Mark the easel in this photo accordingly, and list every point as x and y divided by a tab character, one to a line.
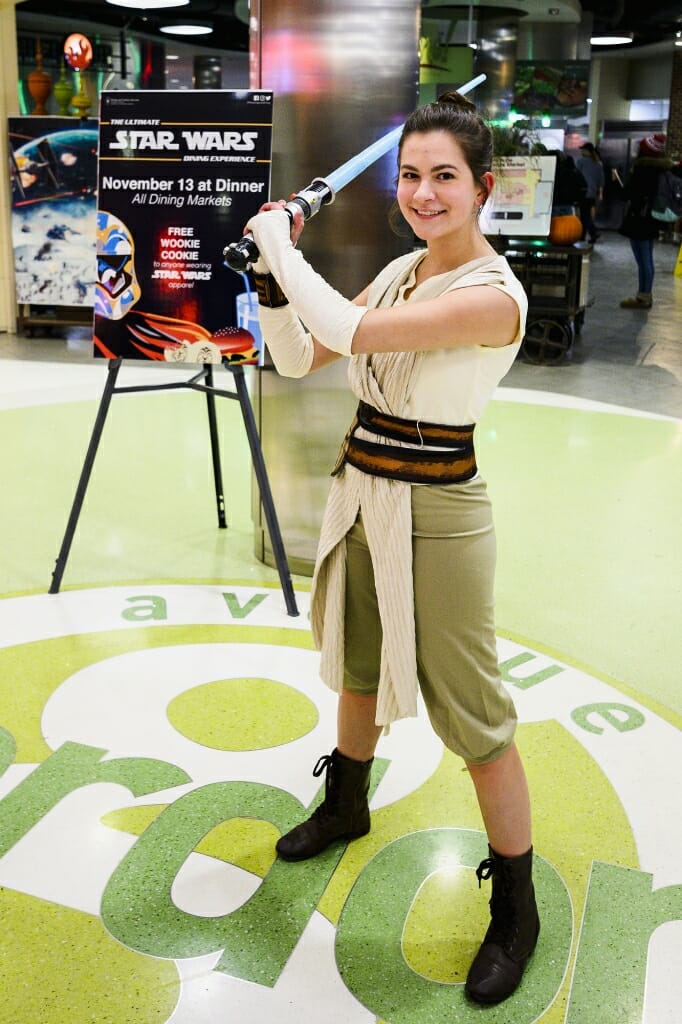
202	381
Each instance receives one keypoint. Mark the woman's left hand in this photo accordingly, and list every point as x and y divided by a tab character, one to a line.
298	222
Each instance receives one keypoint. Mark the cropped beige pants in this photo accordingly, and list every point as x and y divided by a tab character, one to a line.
454	552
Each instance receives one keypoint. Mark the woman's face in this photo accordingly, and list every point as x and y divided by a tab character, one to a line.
436	192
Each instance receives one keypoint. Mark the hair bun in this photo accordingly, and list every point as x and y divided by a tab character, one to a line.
456	99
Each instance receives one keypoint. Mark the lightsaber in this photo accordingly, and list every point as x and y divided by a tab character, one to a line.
322	191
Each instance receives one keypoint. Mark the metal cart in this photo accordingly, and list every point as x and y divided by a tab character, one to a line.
555	279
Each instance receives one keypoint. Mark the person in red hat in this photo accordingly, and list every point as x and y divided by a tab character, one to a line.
638	224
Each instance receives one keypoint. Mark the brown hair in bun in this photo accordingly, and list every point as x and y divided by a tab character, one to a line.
456	99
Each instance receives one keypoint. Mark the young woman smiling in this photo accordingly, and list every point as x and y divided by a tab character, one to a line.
403	586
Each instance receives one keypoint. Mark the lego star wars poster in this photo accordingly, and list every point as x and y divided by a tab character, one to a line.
180	173
53	169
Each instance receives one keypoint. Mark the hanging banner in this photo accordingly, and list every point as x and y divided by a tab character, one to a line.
53	168
180	173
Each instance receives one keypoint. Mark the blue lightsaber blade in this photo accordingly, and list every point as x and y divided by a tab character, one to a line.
322	191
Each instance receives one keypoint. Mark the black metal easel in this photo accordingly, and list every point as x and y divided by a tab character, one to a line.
202	381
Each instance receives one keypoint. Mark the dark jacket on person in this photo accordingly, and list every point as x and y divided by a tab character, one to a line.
569	185
639	191
592	171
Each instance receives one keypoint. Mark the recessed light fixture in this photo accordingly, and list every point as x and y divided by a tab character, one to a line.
242	10
613	40
678	39
194	28
149	5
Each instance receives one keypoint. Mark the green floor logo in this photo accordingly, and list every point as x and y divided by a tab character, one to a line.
155	742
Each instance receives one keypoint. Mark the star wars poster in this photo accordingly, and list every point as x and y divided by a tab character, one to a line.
53	168
180	173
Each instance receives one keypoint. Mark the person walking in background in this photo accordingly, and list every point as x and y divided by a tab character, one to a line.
638	225
590	166
569	185
402	594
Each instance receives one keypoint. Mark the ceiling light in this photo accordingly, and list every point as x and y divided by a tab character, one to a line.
612	40
149	5
678	39
241	10
194	28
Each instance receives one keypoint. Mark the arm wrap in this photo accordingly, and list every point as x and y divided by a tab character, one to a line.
289	344
330	317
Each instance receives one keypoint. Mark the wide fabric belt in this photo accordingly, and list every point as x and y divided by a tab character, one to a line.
453	464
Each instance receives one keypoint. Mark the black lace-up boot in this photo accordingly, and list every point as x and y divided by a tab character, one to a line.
513	933
343	814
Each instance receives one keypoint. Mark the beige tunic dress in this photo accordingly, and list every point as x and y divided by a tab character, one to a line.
443	386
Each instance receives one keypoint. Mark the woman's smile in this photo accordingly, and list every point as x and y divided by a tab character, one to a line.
428	213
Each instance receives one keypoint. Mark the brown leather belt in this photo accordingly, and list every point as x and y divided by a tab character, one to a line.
454	464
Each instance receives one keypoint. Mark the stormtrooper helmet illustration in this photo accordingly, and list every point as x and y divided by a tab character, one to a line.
117	288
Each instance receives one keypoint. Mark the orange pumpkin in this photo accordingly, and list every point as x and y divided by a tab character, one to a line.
565	229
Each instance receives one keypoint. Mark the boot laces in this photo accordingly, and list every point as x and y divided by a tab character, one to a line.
324	762
504	925
484	870
324	811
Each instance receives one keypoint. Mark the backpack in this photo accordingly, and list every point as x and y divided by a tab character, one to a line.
667	202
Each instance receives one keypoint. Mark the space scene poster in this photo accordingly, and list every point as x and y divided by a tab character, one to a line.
180	173
53	169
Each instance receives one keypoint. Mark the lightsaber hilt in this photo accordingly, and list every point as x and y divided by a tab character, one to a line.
241	255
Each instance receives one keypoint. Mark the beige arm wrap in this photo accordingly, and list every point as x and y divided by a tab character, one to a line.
289	344
330	317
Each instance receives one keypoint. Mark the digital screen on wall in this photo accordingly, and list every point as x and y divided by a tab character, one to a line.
551	87
53	170
521	202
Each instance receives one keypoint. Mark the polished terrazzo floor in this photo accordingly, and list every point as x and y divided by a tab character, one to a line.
162	714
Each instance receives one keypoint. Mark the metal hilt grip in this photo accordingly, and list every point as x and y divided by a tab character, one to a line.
241	255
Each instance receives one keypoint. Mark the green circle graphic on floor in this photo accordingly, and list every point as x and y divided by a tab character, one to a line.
156	740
